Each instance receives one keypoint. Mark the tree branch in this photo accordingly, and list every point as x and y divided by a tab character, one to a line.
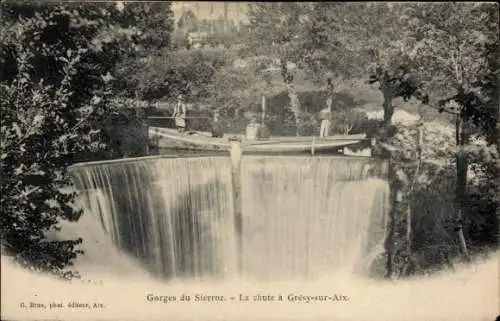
83	119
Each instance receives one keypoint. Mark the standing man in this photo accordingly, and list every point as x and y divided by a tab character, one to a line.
326	113
180	114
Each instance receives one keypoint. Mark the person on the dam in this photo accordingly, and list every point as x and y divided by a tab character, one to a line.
326	113
326	117
180	114
217	125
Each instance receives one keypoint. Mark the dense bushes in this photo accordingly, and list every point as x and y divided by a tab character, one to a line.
428	198
56	109
125	130
44	122
165	76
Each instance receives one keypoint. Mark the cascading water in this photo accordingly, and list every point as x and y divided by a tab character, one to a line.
307	216
174	214
302	217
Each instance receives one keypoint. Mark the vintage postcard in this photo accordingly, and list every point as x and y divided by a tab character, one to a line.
169	160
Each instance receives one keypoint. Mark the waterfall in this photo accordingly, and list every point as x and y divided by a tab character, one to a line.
173	214
301	217
307	216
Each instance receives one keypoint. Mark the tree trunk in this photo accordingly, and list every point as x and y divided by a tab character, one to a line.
292	94
409	261
347	128
295	106
461	136
393	192
394	184
388	108
387	90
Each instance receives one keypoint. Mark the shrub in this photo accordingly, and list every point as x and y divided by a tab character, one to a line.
52	97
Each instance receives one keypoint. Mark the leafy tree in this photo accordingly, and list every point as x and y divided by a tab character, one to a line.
449	45
154	22
278	26
187	72
333	40
345	39
329	49
188	22
450	49
393	86
180	40
349	121
422	227
53	94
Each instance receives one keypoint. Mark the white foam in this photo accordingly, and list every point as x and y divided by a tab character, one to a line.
469	294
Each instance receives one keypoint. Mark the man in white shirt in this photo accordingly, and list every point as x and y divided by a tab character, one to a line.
326	118
326	113
180	114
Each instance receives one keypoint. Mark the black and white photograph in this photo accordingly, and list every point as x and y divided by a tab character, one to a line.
207	160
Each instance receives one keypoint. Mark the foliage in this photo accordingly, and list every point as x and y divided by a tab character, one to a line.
445	47
430	195
445	42
223	38
165	77
154	22
188	22
449	47
53	95
349	121
235	89
308	124
283	123
483	204
328	51
277	25
125	130
330	39
454	43
426	189
179	40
